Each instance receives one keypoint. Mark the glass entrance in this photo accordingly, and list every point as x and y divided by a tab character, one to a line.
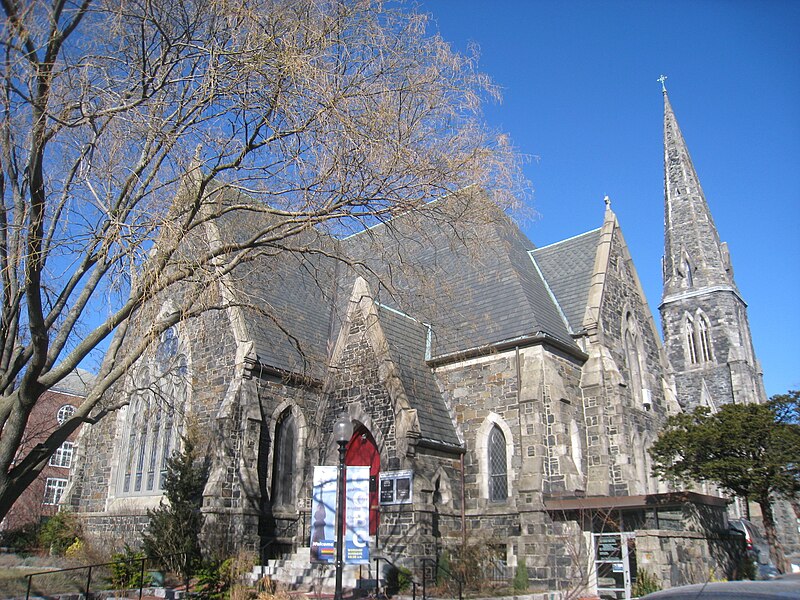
614	556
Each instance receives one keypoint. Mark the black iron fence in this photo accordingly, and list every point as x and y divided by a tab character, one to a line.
122	578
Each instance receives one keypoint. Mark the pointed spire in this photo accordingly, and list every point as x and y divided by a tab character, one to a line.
694	257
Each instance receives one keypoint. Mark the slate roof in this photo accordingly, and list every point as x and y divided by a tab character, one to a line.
285	294
567	267
407	340
463	267
76	383
473	281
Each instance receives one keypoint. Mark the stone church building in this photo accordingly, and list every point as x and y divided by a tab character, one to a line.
515	388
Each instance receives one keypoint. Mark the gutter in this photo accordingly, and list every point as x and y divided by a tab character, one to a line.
442	446
253	364
538	338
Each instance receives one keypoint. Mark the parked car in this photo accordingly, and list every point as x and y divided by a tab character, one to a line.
757	548
782	587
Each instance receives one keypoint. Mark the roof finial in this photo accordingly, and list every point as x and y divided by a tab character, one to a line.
662	79
607	200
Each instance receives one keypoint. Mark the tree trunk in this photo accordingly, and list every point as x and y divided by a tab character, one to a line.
775	546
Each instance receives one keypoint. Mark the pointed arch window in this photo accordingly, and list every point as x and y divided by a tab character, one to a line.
498	466
633	355
704	339
687	269
151	427
283	466
691	342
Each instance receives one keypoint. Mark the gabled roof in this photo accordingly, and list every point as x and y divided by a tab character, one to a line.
76	383
407	339
460	265
466	272
567	267
284	292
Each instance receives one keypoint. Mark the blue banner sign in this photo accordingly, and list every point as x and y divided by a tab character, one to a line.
356	547
323	511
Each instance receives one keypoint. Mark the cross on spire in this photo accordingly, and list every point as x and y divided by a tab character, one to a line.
662	79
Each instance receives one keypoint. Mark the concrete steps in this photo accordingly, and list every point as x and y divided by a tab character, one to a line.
296	572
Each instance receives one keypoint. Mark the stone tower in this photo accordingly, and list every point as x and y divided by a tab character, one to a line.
703	315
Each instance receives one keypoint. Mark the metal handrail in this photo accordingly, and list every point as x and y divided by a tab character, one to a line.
87	591
447	572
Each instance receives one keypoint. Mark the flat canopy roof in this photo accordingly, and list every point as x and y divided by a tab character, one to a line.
622	502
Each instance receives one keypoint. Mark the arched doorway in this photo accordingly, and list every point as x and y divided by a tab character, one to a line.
363	451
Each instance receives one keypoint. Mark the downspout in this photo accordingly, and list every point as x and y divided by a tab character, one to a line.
463	506
521	445
519	403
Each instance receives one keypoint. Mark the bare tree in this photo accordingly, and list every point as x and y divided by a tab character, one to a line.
125	123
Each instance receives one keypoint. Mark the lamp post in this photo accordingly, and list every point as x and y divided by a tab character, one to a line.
342	432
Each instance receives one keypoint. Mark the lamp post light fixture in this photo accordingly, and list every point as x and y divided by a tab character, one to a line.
342	432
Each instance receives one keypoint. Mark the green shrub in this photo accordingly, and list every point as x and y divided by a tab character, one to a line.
172	539
745	568
126	570
398	579
443	568
646	583
59	532
520	583
23	540
214	579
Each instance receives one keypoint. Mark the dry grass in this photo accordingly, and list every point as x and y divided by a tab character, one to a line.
14	581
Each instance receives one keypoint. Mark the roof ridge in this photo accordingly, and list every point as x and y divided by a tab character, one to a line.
551	293
569	239
397	312
405	212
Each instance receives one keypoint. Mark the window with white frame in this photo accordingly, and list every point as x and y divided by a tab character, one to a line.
151	427
498	466
64	413
63	456
53	490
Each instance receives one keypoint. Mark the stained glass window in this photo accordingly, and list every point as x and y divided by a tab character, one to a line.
283	463
158	392
498	466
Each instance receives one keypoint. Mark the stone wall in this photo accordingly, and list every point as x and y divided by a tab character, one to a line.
732	374
112	532
620	424
685	557
212	353
538	402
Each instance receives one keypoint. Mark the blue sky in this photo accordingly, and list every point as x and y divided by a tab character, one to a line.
582	101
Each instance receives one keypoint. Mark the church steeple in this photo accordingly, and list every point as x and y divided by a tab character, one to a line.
694	257
704	318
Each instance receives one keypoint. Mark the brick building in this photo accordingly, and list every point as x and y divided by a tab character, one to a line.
519	386
41	499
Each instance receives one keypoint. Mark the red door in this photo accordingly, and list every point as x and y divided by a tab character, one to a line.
363	452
